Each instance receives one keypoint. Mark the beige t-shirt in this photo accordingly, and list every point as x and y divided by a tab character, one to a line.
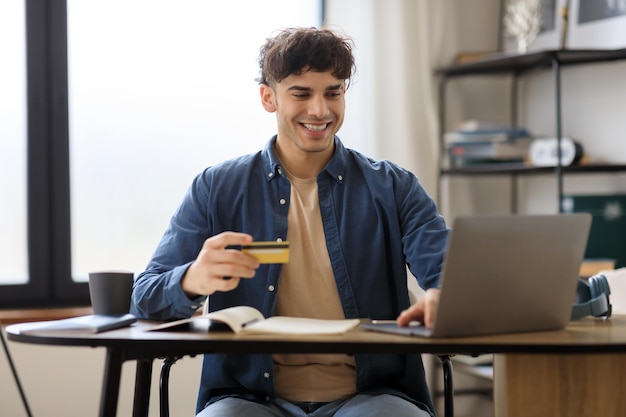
307	288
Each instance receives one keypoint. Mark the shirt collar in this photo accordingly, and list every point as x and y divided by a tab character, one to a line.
336	167
270	161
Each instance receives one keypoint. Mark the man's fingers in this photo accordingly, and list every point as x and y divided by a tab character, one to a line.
229	269
214	251
227	239
409	315
226	284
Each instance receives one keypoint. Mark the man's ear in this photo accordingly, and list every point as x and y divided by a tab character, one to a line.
268	98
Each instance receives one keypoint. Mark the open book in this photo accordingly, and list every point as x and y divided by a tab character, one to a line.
249	320
94	323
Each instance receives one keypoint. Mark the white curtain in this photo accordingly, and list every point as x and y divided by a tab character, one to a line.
392	107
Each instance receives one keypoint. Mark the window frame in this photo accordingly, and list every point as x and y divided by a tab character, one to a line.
50	282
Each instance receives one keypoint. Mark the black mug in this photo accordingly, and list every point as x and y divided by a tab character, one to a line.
110	292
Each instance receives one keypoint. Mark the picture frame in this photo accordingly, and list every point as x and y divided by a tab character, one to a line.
549	37
597	24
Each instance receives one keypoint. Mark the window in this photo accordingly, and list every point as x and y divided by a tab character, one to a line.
13	242
128	101
167	93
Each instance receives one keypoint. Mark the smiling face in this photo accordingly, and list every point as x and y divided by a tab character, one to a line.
309	110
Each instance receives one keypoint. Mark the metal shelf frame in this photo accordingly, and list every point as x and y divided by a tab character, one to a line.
516	66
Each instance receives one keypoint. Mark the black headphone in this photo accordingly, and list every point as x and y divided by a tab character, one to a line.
592	298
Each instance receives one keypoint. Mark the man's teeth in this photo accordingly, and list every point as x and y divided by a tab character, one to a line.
315	127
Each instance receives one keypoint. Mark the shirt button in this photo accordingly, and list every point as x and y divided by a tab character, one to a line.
340	177
266	375
283	201
280	171
271	288
271	174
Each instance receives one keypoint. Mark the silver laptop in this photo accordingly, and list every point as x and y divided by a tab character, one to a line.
506	274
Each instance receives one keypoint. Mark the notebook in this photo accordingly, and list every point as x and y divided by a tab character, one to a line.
506	274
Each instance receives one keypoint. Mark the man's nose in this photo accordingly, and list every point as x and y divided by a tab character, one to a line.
318	107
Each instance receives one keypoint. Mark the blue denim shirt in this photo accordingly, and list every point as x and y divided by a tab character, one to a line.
377	219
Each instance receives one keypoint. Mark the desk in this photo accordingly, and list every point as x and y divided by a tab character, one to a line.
587	336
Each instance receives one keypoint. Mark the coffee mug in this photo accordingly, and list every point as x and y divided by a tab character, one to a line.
110	292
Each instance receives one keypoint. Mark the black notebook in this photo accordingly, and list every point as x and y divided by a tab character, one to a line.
94	323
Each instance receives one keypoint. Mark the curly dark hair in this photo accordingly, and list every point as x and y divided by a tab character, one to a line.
295	50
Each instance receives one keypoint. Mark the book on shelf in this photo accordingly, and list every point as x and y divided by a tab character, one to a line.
94	323
481	136
249	320
469	125
478	131
511	150
471	153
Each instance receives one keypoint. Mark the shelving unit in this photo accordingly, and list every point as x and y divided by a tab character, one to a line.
516	66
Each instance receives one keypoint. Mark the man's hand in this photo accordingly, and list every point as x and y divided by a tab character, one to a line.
217	268
422	311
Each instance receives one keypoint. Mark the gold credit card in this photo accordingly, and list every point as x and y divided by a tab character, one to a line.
268	252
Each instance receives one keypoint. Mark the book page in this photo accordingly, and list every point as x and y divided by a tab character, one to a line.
235	318
238	317
249	320
300	326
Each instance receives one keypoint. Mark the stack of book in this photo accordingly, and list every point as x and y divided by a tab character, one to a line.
480	143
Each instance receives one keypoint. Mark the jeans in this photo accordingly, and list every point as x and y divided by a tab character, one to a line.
360	405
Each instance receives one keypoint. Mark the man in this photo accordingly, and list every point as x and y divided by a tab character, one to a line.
353	225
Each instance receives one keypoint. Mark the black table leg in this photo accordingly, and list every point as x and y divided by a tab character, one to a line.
448	385
164	384
143	381
14	371
111	383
